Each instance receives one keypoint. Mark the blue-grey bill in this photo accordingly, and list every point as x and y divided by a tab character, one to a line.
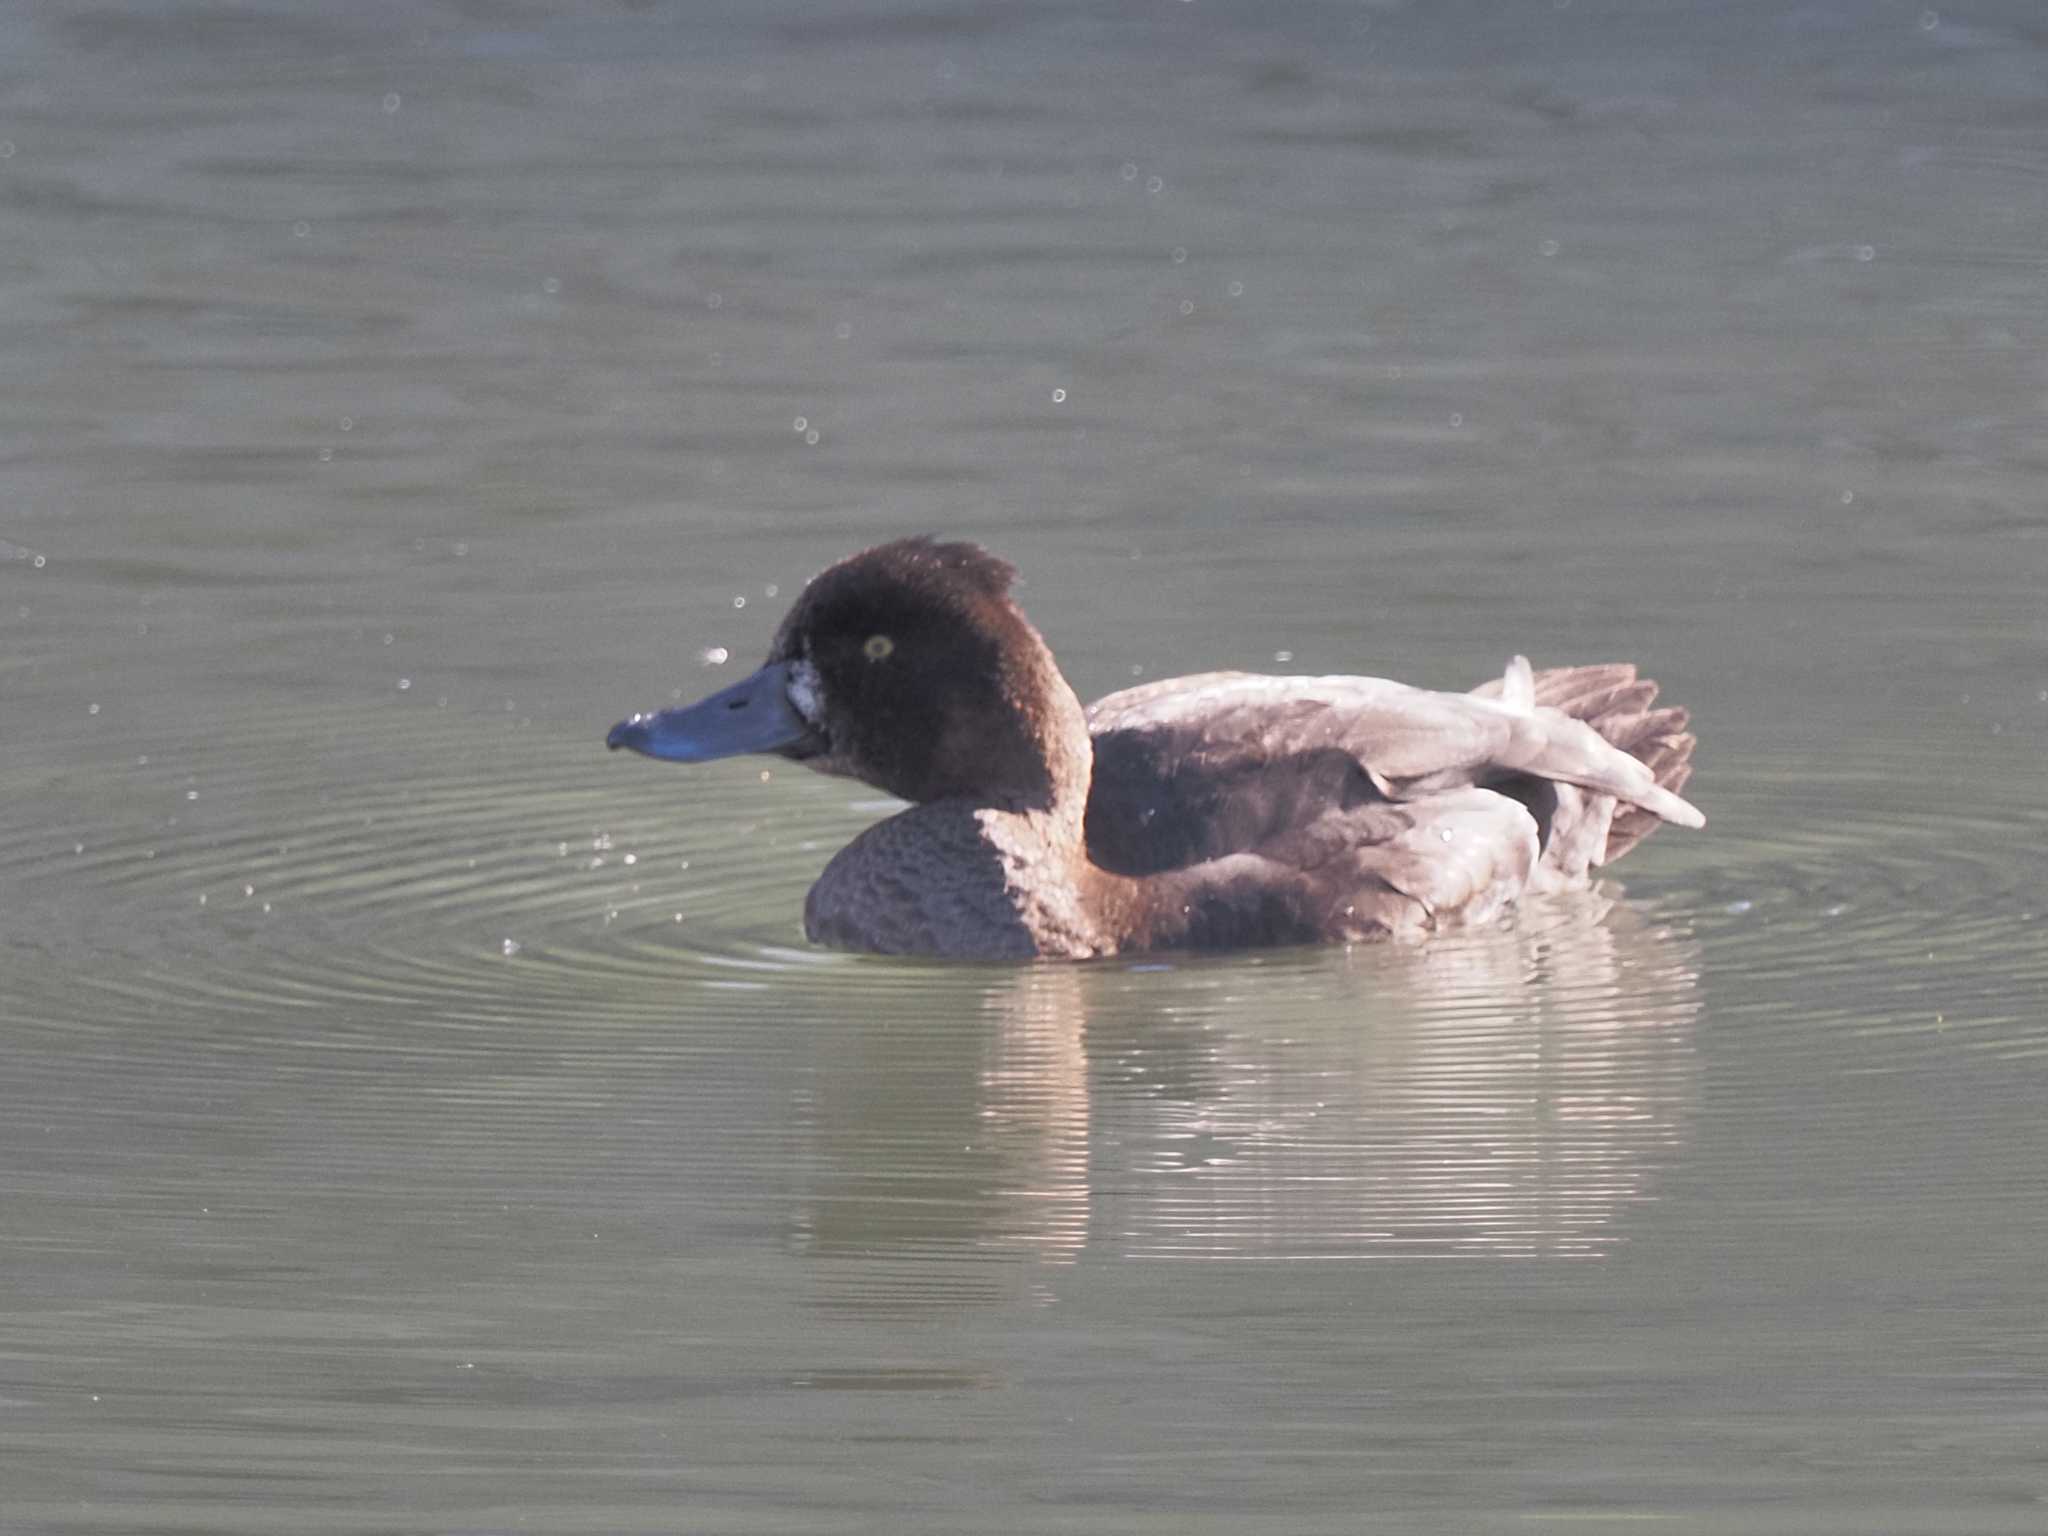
753	715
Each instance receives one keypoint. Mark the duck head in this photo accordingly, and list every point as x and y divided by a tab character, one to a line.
909	667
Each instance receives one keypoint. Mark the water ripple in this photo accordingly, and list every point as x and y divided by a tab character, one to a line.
947	1134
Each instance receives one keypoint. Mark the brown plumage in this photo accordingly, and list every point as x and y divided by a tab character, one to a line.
1617	703
1216	811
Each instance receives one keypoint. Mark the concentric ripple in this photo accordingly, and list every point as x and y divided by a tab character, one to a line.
560	942
383	875
1885	915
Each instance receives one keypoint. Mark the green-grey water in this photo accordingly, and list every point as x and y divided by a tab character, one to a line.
413	1118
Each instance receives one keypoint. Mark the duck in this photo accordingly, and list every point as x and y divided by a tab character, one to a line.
1221	810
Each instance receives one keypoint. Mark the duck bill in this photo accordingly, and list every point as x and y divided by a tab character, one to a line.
753	715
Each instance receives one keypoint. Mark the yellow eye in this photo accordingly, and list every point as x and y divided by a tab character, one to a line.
878	647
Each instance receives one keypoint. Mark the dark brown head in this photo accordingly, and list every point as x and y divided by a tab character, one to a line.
907	666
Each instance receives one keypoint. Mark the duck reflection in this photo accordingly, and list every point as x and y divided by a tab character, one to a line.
946	1139
1509	1093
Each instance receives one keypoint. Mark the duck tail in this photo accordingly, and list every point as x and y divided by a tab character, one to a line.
1622	708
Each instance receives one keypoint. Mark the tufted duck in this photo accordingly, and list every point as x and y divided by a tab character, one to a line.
1208	812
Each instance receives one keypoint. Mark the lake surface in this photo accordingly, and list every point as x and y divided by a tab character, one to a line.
413	1119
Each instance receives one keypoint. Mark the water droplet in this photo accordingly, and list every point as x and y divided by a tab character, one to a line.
326	455
1129	172
770	590
1283	655
92	709
1059	397
1848	498
393	101
1155	184
551	285
388	639
739	600
301	229
191	794
1866	253
348	423
1187	306
509	948
811	437
714	656
1929	20
40	561
404	683
1548	247
713	300
6	149
1457	418
1737	908
801	423
1237	290
843	331
1180	254
248	890
765	775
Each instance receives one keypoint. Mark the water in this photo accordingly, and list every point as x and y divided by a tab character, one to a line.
415	1119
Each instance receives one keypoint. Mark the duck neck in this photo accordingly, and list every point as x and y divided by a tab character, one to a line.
1063	760
1027	753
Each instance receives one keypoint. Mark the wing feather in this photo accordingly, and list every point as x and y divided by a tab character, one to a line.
1409	740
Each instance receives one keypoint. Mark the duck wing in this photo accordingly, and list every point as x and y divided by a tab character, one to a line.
1384	869
1622	707
1198	768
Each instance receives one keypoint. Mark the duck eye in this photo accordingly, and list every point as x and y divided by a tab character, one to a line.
878	647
